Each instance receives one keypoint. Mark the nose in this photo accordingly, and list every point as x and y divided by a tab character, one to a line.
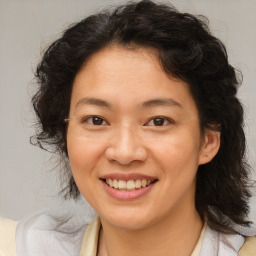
126	147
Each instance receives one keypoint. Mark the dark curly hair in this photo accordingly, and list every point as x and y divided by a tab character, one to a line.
186	50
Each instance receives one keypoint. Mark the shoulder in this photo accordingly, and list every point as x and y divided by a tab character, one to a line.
51	233
249	247
7	237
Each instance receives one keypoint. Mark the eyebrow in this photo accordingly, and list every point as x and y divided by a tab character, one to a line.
146	104
93	101
160	102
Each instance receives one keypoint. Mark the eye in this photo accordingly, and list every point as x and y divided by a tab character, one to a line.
95	120
159	121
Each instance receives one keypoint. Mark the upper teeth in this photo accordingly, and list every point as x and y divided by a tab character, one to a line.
129	184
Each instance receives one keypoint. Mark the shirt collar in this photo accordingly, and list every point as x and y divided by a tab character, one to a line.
90	240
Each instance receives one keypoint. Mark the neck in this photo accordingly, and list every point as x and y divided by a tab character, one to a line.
176	234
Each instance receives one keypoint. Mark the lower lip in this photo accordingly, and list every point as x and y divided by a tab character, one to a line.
127	195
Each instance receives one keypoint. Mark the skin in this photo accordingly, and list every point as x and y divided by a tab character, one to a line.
127	141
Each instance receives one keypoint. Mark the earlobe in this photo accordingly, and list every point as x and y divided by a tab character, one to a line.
210	146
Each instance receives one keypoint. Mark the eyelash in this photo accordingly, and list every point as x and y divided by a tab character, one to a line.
163	121
86	120
166	121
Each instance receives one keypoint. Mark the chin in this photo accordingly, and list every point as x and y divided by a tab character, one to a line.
129	220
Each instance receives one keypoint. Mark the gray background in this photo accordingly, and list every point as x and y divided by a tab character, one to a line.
27	179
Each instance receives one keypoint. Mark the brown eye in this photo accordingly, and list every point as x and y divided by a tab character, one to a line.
158	121
95	120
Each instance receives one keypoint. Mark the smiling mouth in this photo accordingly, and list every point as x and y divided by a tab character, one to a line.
129	185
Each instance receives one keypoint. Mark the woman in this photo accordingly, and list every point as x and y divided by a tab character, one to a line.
141	102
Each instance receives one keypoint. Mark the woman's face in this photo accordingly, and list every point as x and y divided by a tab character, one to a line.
134	140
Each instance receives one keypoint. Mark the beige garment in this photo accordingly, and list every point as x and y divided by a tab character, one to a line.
249	247
90	240
7	237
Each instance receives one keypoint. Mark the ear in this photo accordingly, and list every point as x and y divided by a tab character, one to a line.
210	146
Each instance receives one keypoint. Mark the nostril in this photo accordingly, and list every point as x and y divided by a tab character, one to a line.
126	155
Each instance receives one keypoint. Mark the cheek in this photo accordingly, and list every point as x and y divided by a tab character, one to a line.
84	158
179	162
179	148
83	154
178	158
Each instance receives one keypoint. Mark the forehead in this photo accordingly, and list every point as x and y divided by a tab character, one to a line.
140	62
131	75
